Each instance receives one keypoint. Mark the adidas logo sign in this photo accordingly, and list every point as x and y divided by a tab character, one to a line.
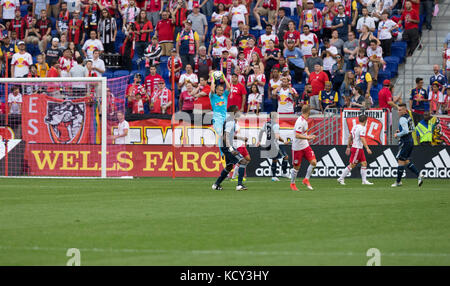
331	165
385	166
265	170
438	167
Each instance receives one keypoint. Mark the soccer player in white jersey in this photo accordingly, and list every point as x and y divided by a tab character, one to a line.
301	148
357	141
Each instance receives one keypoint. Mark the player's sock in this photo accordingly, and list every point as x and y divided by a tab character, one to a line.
413	168
346	172
235	172
284	166
293	175
274	167
364	173
222	177
309	171
400	170
241	173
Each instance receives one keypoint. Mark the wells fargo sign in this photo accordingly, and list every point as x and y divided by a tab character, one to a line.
122	160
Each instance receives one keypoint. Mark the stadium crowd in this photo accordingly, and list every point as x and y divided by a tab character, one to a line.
277	55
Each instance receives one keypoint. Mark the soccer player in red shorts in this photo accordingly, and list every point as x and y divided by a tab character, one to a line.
301	148
357	141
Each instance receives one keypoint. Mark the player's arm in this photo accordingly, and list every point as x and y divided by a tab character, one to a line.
363	140
299	135
349	144
260	135
404	124
125	133
227	84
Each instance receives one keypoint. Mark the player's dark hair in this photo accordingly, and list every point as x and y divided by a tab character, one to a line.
374	41
305	26
233	109
418	79
402	105
362	118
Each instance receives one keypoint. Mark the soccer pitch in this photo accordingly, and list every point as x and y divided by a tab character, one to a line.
160	221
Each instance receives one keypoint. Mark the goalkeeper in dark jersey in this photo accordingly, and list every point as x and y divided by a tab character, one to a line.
271	149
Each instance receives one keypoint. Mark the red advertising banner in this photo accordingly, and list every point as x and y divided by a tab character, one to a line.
122	160
445	129
375	127
46	119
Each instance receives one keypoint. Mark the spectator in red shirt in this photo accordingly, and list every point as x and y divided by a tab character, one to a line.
238	94
164	31
201	94
151	81
410	21
317	80
385	99
132	91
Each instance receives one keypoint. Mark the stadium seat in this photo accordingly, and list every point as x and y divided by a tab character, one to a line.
164	59
108	74
392	64
399	52
268	105
23	9
382	75
120	73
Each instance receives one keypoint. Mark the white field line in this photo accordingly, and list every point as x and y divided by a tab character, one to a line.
223	252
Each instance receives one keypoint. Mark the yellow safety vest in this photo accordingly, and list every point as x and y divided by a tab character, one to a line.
426	134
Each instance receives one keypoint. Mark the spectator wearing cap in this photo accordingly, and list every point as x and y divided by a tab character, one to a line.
385	97
295	59
18	24
436	98
153	9
439	77
187	44
91	45
107	31
312	17
21	62
8	8
152	53
53	53
238	13
45	27
177	65
161	100
410	22
164	33
199	23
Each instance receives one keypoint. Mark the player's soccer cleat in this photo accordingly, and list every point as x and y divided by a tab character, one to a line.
307	184
396	184
420	180
367	183
294	187
275	179
342	182
241	188
217	187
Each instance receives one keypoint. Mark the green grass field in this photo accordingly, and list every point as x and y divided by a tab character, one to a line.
160	221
